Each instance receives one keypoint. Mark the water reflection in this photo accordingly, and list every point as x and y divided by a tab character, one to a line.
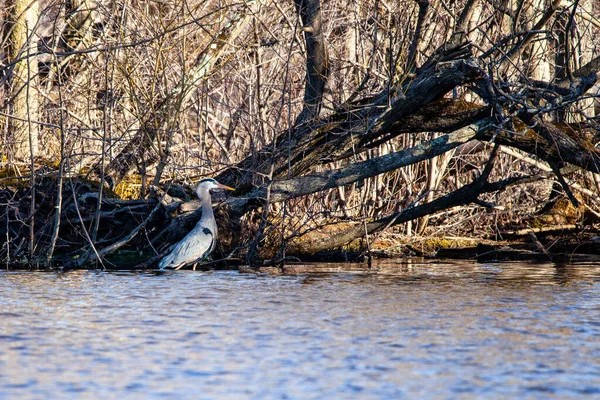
416	270
409	329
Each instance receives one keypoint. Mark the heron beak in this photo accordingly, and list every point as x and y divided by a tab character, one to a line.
220	185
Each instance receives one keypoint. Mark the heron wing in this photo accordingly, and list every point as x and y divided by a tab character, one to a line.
195	246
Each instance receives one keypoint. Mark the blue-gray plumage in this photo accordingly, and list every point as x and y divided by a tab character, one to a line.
200	242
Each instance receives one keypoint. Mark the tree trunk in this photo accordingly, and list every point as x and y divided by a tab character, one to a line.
317	63
21	37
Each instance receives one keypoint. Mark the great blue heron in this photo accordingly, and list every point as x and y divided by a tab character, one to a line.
197	244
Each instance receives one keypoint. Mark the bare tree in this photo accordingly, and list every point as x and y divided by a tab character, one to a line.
20	41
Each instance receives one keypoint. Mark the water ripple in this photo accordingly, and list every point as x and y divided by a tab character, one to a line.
411	329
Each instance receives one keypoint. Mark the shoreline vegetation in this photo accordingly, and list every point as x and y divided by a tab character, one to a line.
464	129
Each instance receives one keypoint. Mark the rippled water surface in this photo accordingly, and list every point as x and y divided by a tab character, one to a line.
411	330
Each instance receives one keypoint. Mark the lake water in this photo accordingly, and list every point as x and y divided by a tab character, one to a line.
401	330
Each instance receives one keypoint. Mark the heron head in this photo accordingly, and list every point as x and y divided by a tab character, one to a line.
210	183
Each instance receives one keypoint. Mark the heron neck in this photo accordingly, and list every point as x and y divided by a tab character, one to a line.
207	210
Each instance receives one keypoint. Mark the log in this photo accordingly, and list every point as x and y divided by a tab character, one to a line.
319	142
285	189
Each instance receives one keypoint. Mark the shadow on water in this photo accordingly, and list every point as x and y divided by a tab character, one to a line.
400	329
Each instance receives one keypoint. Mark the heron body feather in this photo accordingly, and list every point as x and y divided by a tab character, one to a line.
194	247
